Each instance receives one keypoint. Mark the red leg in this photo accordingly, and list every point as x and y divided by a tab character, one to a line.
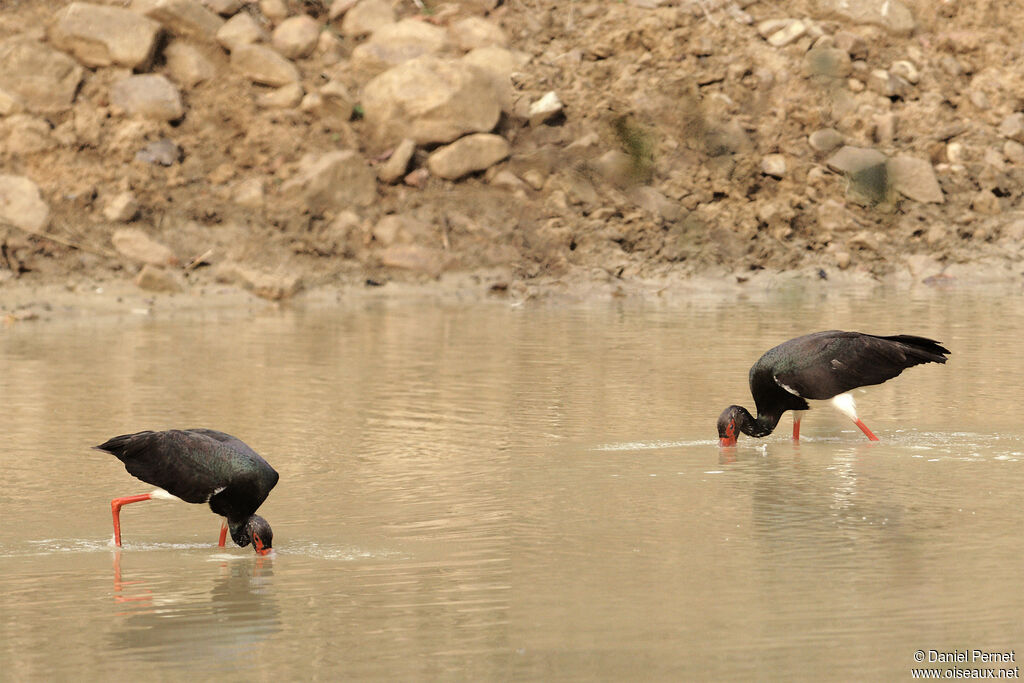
115	509
223	533
864	428
796	426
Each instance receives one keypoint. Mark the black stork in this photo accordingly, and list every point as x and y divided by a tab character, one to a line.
200	466
822	365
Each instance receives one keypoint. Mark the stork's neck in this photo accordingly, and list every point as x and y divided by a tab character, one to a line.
763	425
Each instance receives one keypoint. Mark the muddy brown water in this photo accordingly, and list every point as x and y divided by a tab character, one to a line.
498	491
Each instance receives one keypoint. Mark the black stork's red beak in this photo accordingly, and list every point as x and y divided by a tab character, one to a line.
727	434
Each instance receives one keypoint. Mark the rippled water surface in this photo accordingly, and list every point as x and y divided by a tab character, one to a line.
497	491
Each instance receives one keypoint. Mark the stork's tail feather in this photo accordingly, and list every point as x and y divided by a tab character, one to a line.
921	349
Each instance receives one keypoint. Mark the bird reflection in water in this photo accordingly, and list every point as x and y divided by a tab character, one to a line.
235	614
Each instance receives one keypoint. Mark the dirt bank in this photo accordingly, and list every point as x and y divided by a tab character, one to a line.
689	141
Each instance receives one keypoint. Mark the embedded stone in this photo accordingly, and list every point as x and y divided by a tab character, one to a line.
333	181
774	165
275	11
393	44
295	37
431	100
225	8
392	170
891	15
467	155
788	33
21	204
474	32
122	208
831	62
239	30
43	79
825	140
1012	127
187	64
156	279
285	97
261	64
366	17
915	178
148	95
546	108
186	18
98	35
136	245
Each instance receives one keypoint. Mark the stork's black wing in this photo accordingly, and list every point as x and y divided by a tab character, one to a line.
824	364
187	464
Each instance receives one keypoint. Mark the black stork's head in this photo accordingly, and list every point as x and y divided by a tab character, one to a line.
736	419
255	530
728	425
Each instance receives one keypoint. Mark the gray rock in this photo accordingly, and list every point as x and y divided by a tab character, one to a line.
466	155
122	208
891	15
261	64
333	181
867	170
149	95
392	170
185	18
136	245
156	279
831	62
239	30
42	78
98	35
1012	127
187	64
393	44
473	32
285	97
825	140
915	178
366	17
21	204
162	152
431	101
296	36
